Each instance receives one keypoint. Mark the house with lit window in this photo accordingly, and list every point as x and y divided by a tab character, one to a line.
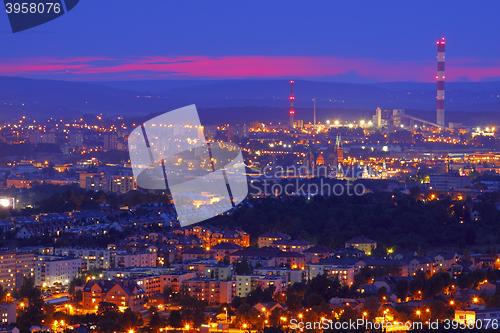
124	294
266	239
362	243
424	263
316	253
292	245
223	250
444	260
196	253
485	315
8	312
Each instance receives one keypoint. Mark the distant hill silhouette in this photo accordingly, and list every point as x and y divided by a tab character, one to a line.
236	100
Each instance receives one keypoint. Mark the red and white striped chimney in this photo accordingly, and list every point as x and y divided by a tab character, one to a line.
440	82
292	111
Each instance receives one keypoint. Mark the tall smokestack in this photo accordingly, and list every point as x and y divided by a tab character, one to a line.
292	112
440	82
314	111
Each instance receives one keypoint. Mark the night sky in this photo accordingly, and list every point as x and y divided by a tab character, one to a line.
322	40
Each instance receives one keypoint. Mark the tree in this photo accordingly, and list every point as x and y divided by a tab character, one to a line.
274	329
49	309
167	292
249	316
467	257
243	267
31	315
155	320
322	285
314	299
382	294
236	302
3	293
258	295
371	307
79	296
76	281
401	290
175	319
294	302
129	320
107	309
193	311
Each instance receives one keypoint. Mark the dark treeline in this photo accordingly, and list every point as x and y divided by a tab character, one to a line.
391	218
402	221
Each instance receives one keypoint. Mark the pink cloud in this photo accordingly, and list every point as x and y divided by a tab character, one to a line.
233	67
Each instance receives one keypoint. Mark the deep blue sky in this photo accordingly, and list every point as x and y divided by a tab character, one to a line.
342	33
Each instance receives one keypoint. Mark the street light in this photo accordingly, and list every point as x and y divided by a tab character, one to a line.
418	314
364	315
225	309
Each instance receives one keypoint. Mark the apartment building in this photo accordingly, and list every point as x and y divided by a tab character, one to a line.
13	267
137	259
99	258
211	291
54	270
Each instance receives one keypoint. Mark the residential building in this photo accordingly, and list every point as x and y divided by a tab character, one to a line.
97	182
137	259
448	181
176	279
246	283
122	183
266	239
8	312
13	267
444	261
425	264
109	141
362	243
211	291
292	245
197	266
76	139
195	253
219	271
316	253
293	275
54	270
223	250
98	258
151	284
119	293
486	315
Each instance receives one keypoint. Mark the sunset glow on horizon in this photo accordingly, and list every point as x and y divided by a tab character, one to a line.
241	67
